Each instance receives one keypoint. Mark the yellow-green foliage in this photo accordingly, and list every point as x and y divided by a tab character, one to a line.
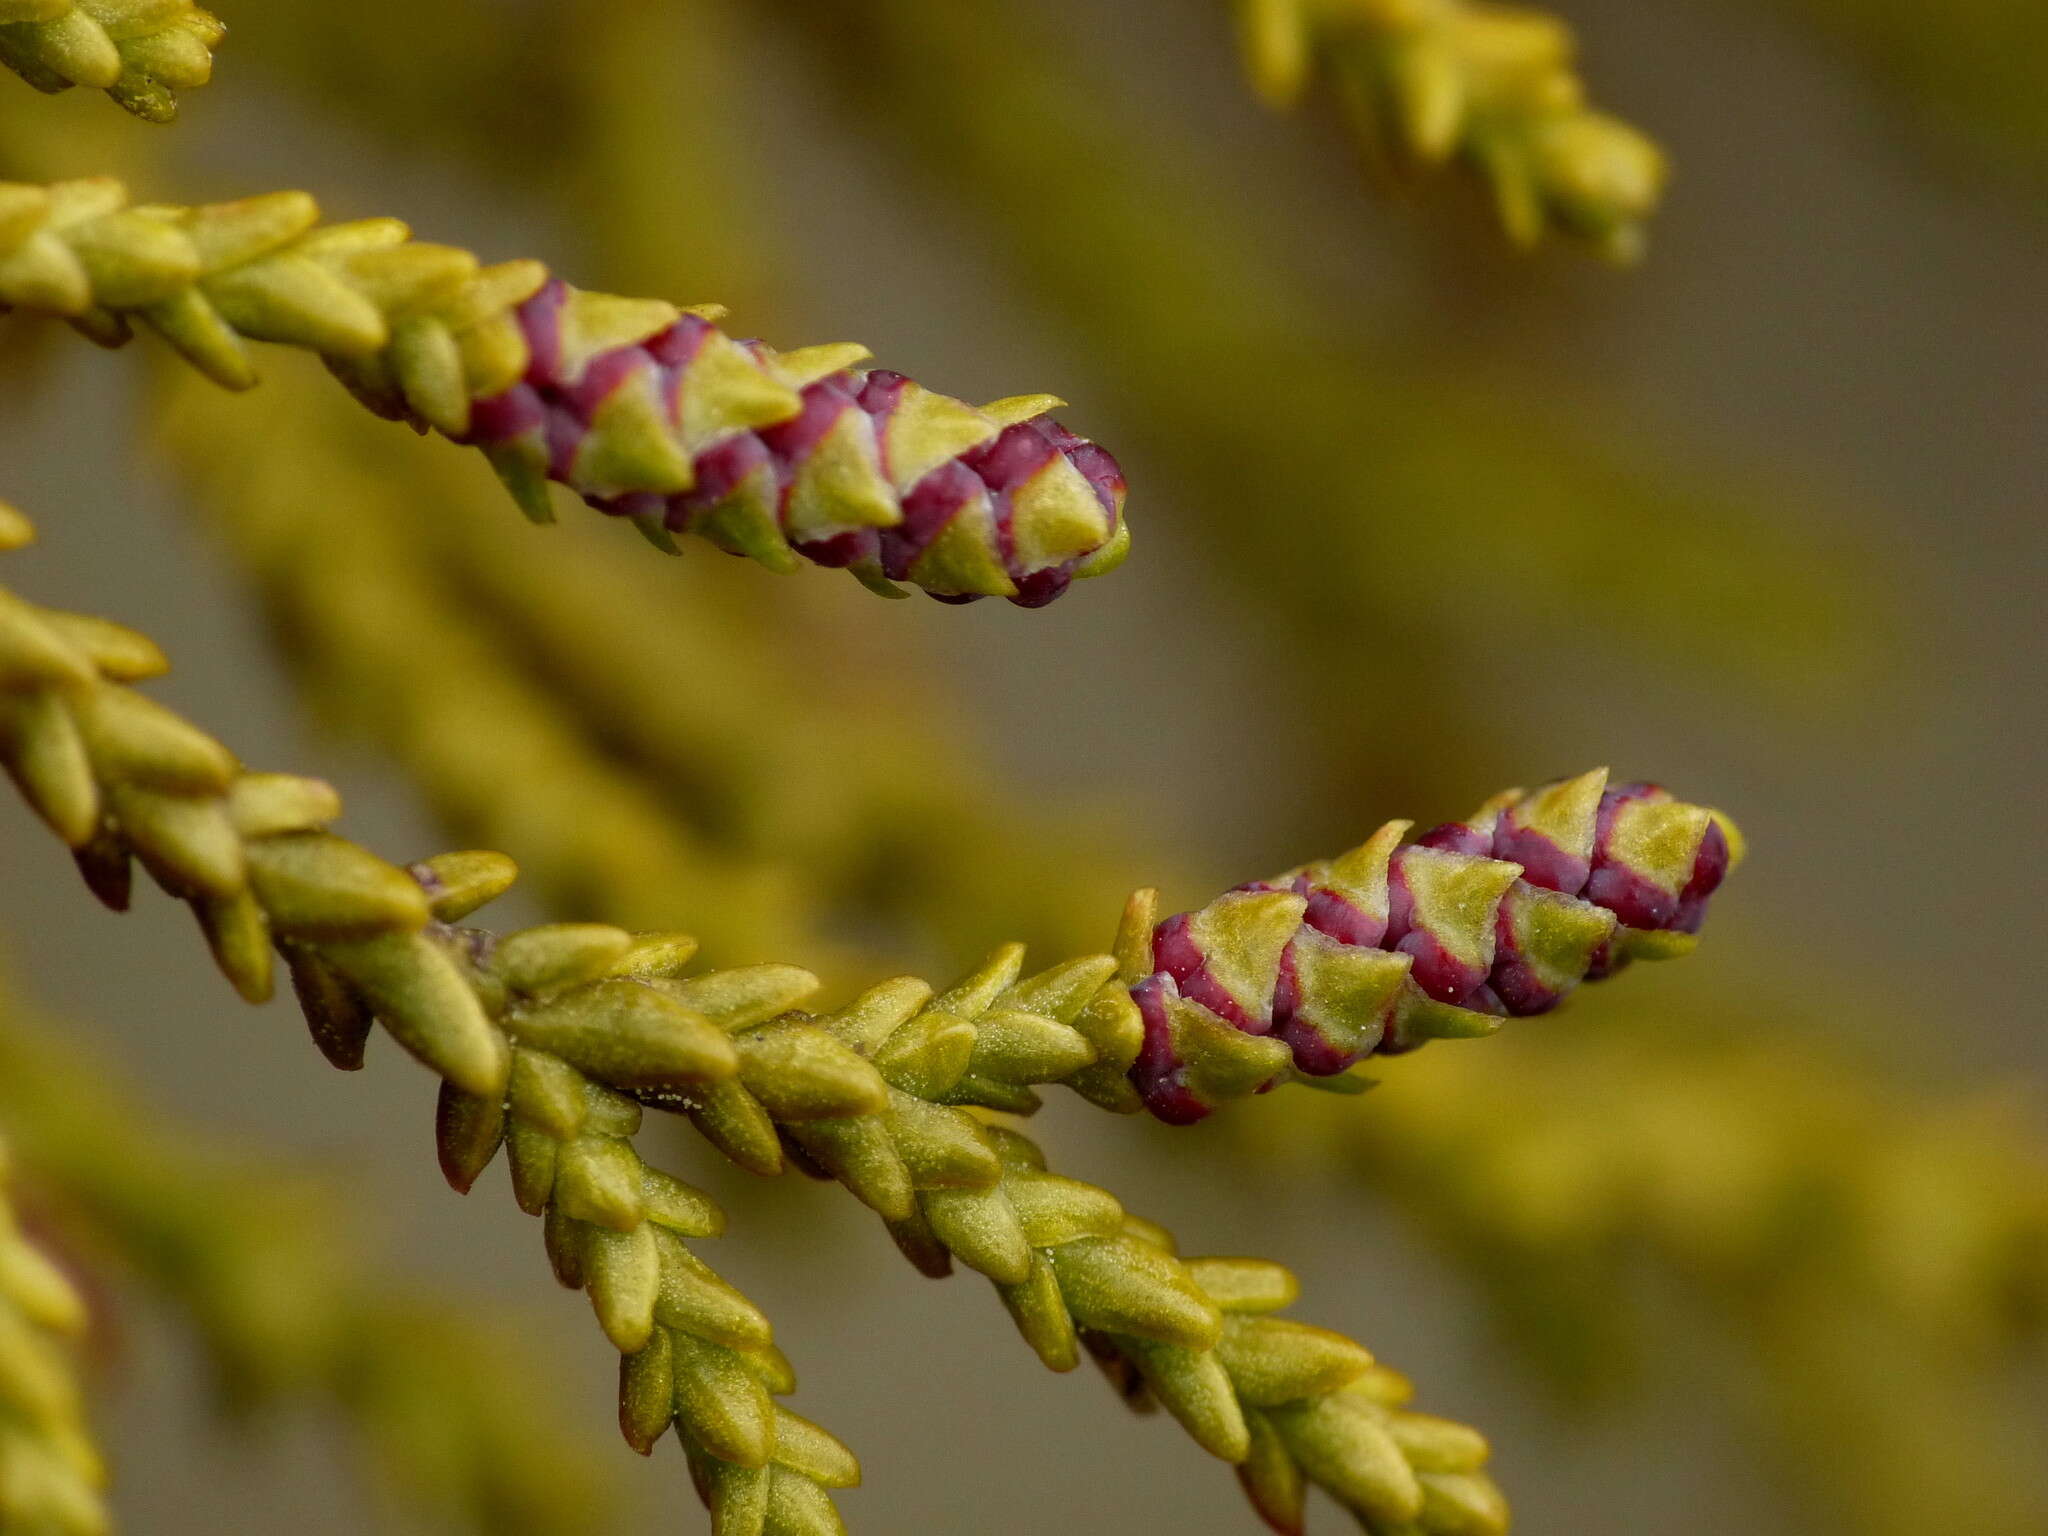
650	739
542	1038
659	745
549	1040
1881	1258
51	1472
1439	522
507	358
1424	80
140	52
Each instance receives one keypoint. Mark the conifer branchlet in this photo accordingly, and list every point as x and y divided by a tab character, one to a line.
1306	974
50	1470
1493	85
140	52
541	1037
1394	944
645	410
550	1040
1288	1404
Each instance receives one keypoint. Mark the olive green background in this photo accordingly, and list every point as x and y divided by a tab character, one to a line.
1832	299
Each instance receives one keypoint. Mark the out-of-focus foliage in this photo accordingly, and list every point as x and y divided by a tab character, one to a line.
51	1471
262	1266
355	594
651	741
1332	489
1879	1260
1494	85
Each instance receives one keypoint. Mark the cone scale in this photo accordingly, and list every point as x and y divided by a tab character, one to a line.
689	431
1394	944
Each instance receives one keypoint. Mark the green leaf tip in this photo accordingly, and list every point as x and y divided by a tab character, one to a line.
142	53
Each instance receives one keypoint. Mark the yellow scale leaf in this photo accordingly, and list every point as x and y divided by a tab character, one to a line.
962	558
927	429
595	323
840	485
1055	515
1557	934
1361	874
1345	988
1242	935
742	522
1455	897
725	390
1223	1062
1566	812
629	445
1659	839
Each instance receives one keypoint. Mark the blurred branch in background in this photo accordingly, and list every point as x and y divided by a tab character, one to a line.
51	1470
1396	475
265	1270
638	736
388	649
651	740
803	776
657	99
1973	68
1395	527
480	77
1421	81
1880	1259
581	106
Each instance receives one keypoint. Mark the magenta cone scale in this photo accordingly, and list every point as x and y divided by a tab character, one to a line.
775	457
1394	944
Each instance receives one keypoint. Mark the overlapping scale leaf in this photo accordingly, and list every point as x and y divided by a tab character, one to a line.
645	410
1288	1404
916	1158
694	1352
1074	1270
140	52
